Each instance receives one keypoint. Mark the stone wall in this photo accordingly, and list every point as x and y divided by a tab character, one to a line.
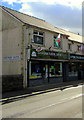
12	82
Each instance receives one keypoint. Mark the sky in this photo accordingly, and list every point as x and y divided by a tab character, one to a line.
65	14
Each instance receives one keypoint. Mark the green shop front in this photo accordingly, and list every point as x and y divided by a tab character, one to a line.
46	67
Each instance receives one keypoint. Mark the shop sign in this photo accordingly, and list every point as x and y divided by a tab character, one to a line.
76	57
33	54
48	54
11	58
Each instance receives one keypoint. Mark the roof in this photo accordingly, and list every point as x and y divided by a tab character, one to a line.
33	20
27	19
73	36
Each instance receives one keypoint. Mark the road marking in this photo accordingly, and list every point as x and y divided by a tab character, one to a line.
36	93
62	101
36	110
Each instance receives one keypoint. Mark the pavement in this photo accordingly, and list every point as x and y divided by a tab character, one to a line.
17	95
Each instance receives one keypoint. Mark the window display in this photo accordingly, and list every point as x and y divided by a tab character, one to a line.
73	69
55	69
36	71
45	70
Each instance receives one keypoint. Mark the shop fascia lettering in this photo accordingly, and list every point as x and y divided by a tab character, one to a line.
35	53
51	53
47	53
77	57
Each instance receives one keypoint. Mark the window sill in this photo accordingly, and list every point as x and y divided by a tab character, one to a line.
41	45
57	48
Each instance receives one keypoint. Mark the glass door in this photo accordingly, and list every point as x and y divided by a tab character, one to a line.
45	69
45	73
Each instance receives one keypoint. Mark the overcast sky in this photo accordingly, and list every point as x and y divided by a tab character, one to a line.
66	14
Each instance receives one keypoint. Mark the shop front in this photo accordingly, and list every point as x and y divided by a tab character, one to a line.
45	67
76	67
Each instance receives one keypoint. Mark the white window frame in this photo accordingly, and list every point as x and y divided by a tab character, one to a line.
38	35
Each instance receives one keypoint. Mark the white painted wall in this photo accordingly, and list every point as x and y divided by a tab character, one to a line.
11	45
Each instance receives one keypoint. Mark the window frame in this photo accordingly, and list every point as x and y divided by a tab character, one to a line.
38	35
70	46
78	48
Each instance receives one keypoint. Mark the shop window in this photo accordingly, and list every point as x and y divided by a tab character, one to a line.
57	41
55	69
40	70
36	70
38	37
73	69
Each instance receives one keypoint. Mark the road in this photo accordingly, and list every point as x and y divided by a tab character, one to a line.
65	103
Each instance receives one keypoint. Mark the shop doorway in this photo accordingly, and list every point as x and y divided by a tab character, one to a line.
45	73
80	71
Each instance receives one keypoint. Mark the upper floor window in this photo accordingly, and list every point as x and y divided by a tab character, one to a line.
81	48
38	37
65	37
57	41
78	47
69	46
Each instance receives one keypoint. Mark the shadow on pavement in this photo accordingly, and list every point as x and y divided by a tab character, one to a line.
43	89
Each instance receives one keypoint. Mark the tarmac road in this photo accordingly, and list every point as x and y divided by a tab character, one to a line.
65	103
